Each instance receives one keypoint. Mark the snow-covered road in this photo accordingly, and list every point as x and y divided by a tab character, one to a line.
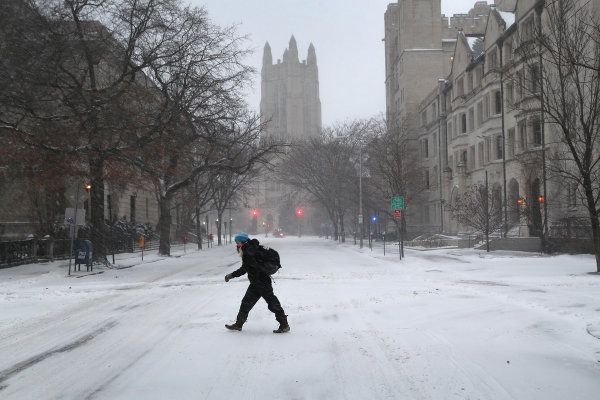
442	324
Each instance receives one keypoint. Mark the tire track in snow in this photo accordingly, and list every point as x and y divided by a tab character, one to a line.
7	373
52	328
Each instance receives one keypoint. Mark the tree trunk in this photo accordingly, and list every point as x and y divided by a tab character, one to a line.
343	229
164	223
591	206
96	208
219	223
198	229
336	230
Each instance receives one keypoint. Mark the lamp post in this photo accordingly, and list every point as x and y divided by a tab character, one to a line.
360	213
299	212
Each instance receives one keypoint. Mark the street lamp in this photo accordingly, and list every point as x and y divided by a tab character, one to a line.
299	212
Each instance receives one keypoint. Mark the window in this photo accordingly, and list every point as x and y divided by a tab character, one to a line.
509	95
472	158
479	113
424	118
463	118
510	144
486	107
426	179
499	147
460	87
537	132
572	194
523	135
469	82
450	133
478	77
528	29
433	112
464	157
508	50
535	79
435	144
471	119
498	98
426	148
493	60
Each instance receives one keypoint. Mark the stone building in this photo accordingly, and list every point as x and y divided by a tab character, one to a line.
472	123
290	94
419	50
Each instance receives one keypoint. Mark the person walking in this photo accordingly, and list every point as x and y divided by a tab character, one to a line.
260	285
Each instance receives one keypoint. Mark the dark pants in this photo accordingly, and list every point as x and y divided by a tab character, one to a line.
254	293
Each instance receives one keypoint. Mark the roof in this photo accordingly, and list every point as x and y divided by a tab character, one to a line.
508	17
475	43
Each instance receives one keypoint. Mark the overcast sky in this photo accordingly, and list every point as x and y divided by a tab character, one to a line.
347	37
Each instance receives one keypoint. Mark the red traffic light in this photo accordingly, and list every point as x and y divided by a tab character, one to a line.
299	212
254	213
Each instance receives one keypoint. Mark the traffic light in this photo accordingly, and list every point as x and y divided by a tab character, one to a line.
254	213
299	212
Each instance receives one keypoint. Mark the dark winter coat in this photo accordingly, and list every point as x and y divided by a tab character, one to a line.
250	264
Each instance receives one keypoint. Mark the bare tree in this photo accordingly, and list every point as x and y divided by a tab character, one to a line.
395	167
174	162
480	208
99	80
325	168
228	186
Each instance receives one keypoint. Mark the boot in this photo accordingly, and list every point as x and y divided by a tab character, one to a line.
237	326
283	325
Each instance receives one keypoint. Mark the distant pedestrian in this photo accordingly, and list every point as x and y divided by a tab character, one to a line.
260	284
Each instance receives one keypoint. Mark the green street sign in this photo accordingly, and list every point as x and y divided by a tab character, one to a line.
397	203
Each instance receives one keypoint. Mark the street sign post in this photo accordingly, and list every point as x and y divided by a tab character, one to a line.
397	203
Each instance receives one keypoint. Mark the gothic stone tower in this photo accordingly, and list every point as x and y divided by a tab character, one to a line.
290	94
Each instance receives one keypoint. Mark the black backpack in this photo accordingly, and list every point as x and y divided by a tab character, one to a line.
268	260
